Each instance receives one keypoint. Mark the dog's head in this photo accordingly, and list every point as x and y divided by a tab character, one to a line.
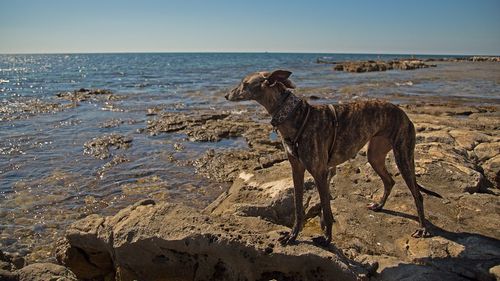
256	85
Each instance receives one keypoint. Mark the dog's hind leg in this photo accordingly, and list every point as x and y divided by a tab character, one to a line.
403	147
377	150
298	188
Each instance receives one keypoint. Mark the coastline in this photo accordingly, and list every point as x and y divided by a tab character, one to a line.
457	154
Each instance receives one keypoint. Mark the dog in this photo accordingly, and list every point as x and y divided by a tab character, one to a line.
317	138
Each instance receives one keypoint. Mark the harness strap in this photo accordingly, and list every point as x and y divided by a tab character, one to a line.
295	143
335	125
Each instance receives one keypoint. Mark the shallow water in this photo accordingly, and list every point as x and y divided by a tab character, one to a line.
46	181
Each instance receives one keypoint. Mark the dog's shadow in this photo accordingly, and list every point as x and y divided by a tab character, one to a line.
479	254
366	269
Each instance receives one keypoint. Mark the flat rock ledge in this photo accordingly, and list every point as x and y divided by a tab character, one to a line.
161	241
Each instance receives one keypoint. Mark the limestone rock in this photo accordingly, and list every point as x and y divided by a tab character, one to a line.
468	139
270	200
492	170
495	271
161	241
45	271
485	151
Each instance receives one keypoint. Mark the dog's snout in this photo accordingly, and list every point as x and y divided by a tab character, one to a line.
230	95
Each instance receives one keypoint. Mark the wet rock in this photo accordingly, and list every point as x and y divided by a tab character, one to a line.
83	94
116	160
23	108
223	165
177	122
99	147
151	240
111	123
155	110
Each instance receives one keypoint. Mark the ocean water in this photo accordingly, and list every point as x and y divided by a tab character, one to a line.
46	181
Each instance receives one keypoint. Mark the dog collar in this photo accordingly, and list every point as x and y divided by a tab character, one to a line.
285	108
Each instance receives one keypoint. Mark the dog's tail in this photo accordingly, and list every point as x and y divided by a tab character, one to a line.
430	192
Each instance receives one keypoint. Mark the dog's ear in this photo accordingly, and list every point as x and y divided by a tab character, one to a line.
281	76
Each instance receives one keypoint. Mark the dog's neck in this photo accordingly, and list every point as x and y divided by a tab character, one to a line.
288	113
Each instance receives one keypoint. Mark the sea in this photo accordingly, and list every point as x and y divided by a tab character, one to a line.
47	181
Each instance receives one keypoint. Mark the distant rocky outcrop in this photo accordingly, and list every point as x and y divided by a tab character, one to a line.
369	66
398	64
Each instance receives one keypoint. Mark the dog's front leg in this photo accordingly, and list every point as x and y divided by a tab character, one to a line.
298	188
321	179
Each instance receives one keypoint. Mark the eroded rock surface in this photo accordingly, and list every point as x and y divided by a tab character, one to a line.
89	95
27	107
13	269
160	241
223	165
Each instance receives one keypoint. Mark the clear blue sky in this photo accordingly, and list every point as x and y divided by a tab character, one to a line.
355	26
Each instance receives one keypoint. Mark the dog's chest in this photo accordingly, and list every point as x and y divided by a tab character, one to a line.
290	148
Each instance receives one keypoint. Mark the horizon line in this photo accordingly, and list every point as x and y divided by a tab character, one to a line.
247	52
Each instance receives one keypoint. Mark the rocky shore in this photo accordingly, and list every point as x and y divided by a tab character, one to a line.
398	64
369	66
235	237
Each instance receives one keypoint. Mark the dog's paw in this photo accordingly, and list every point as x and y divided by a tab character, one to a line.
374	207
321	241
286	238
421	233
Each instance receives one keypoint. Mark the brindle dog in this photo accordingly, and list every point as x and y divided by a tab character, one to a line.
318	138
